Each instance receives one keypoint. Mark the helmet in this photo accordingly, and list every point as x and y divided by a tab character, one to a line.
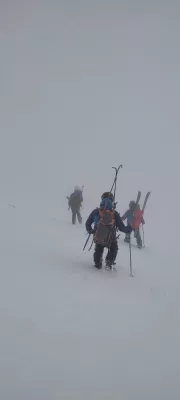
107	195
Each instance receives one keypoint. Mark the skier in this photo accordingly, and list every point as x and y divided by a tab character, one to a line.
134	217
75	203
108	230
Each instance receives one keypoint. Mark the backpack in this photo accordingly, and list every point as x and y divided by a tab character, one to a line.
76	199
137	218
105	228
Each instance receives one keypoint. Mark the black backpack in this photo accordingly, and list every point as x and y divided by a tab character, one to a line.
76	199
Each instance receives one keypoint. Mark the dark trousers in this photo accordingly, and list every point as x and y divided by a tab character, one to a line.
111	255
76	212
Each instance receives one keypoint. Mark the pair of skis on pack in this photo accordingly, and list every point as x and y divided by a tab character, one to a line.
145	200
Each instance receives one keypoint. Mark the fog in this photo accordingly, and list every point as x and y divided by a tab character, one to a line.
87	85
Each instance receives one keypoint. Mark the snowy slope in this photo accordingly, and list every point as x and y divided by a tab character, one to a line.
86	87
68	331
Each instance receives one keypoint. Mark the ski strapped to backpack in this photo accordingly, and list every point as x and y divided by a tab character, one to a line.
143	208
138	198
145	201
115	180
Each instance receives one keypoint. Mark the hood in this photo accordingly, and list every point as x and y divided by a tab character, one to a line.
77	189
106	203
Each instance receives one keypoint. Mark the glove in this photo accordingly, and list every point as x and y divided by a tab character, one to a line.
143	222
129	229
91	231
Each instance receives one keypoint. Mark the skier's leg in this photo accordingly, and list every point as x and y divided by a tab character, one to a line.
98	253
112	253
127	238
79	216
138	238
73	216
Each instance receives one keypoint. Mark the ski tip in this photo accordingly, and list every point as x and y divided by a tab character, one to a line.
120	166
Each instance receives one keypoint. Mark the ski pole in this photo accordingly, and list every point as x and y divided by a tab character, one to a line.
143	235
86	241
130	257
91	245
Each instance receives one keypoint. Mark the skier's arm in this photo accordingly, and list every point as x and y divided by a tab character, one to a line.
90	221
124	215
120	225
142	220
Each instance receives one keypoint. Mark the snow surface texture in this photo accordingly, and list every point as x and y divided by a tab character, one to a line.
86	85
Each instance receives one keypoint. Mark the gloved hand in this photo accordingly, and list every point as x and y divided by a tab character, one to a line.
143	222
91	231
129	229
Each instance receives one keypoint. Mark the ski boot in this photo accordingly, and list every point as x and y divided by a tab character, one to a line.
98	265
139	243
109	265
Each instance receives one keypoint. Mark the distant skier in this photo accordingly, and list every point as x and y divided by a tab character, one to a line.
105	220
75	203
134	217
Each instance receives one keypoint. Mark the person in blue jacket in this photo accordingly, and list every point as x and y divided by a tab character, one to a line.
107	201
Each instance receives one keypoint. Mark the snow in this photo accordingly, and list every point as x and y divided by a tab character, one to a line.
86	86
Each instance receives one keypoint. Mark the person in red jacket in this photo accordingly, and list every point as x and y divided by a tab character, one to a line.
134	217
